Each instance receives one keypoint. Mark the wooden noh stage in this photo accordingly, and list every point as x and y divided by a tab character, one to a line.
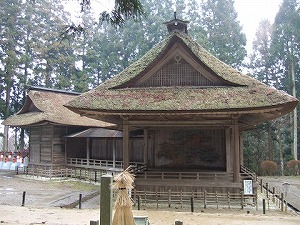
180	113
191	108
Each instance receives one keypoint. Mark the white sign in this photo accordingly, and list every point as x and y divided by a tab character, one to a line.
248	187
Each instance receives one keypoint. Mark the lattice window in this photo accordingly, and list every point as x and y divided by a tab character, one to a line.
177	72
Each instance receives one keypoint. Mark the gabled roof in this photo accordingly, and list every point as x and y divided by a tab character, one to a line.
129	93
46	106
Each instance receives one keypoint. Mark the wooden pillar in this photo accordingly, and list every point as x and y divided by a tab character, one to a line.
125	143
236	152
88	150
66	146
229	159
66	152
241	149
146	146
114	152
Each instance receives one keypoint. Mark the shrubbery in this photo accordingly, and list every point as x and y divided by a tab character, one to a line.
269	167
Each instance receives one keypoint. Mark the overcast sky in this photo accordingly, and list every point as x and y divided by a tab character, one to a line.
251	12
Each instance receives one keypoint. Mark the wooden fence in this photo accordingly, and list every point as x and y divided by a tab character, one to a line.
64	173
98	163
276	196
207	176
182	199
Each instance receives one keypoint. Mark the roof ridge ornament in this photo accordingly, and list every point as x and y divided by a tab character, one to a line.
177	25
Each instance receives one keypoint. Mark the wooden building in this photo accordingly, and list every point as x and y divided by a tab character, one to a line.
48	123
192	109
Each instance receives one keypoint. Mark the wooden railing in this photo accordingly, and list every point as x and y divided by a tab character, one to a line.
150	199
80	162
245	172
207	176
46	172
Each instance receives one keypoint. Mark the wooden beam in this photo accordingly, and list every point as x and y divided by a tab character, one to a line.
180	123
125	143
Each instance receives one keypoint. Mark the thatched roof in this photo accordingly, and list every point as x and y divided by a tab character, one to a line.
46	106
233	92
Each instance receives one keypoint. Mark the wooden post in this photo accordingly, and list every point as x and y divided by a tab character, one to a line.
242	200
156	196
256	203
139	202
236	144
228	199
125	143
178	222
217	199
145	147
134	197
80	201
169	198
261	186
281	198
205	199
23	198
181	198
264	206
145	197
267	190
241	149
88	151
114	152
192	204
106	200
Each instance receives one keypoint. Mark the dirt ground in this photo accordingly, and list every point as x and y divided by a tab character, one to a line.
47	201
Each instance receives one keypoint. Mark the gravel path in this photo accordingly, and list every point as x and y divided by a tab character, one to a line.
46	200
293	194
44	192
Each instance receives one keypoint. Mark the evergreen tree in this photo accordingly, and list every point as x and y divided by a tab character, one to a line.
29	44
286	53
223	31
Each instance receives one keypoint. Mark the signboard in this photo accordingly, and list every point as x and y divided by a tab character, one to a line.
248	187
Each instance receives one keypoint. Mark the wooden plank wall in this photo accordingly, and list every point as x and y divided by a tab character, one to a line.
102	148
58	144
47	144
35	144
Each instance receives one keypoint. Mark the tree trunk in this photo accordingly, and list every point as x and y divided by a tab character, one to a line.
280	152
5	138
270	142
295	151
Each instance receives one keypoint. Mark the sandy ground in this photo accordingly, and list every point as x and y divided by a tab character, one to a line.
45	199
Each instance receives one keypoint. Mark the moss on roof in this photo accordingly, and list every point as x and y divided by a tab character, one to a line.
248	93
47	106
221	69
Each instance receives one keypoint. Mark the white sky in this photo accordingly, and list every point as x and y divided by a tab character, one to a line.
251	12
